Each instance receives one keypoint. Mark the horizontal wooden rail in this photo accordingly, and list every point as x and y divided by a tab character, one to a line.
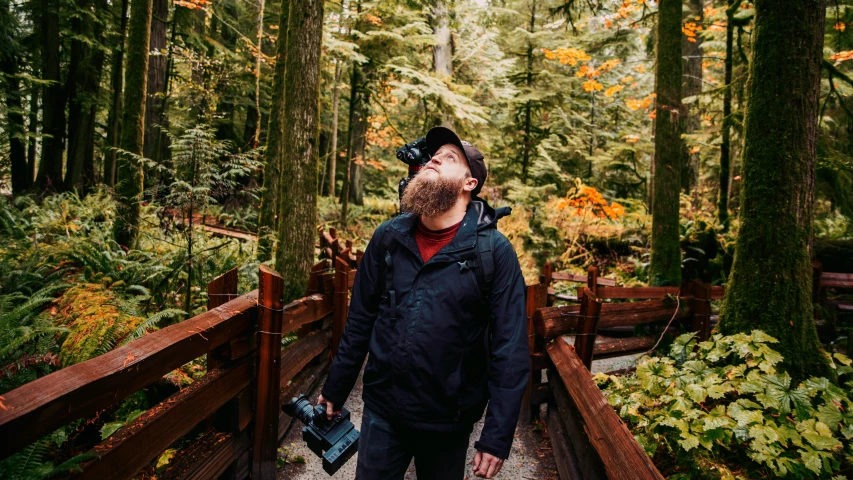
606	347
306	310
47	403
571	277
622	456
553	321
836	280
636	292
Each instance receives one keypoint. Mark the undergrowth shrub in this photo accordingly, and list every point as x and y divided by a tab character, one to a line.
724	409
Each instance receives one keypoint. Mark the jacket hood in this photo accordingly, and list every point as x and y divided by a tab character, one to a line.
486	215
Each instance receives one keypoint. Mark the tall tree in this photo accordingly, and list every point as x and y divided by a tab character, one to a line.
157	73
691	45
268	217
298	200
129	171
116	85
14	113
442	51
53	104
354	109
328	186
665	263
725	145
770	285
85	83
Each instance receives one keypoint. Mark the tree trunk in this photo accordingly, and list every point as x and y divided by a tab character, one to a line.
442	51
692	86
528	82
85	85
330	186
116	84
268	216
355	80
32	144
157	72
14	113
53	118
665	263
357	172
257	110
725	145
129	172
770	286
298	201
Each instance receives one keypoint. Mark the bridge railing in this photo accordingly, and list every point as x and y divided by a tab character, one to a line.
236	403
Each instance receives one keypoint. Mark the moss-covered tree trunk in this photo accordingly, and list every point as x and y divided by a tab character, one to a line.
267	219
53	116
129	171
770	286
725	145
354	109
298	195
666	252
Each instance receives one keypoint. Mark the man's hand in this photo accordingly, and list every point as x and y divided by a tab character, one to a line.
330	407
487	465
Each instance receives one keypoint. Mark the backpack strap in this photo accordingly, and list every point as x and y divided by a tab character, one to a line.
387	263
485	263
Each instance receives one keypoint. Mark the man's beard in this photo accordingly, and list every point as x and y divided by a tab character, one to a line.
427	197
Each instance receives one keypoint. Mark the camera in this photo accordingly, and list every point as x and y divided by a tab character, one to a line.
337	437
415	155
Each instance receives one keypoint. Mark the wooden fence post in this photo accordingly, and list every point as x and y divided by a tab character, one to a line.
220	291
700	318
546	277
592	280
587	325
267	397
339	318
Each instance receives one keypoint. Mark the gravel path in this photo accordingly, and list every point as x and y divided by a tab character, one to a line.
530	458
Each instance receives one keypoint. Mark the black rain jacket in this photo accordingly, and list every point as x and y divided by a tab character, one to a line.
431	369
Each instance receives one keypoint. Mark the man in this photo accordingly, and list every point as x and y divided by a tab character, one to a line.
418	308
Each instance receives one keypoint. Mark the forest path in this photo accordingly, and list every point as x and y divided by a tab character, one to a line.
530	458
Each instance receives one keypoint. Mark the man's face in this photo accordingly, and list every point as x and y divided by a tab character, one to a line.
449	162
440	184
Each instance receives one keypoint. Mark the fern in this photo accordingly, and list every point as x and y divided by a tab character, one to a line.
152	321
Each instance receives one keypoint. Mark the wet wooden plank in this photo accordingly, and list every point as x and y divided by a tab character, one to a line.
622	456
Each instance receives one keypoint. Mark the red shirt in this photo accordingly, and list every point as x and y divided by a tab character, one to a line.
431	241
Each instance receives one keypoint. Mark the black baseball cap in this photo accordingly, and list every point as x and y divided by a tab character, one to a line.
438	136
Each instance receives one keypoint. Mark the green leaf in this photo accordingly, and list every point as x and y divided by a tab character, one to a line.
842	359
110	428
829	414
689	442
759	336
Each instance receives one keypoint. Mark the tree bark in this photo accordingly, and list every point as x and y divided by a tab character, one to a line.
770	286
356	180
129	172
32	140
725	145
14	112
442	51
157	72
116	84
528	107
53	117
330	187
85	85
268	217
666	252
298	201
354	99
691	86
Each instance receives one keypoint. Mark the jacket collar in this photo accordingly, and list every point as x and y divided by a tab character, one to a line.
478	215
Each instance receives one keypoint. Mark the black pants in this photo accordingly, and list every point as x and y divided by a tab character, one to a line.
385	451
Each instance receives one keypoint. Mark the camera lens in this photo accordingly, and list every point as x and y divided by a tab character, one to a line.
302	409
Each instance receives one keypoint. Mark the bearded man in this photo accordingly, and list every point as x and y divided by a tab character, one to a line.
438	302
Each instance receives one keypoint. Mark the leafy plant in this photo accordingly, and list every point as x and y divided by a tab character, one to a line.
724	403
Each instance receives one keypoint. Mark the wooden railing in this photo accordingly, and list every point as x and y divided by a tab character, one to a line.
237	401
